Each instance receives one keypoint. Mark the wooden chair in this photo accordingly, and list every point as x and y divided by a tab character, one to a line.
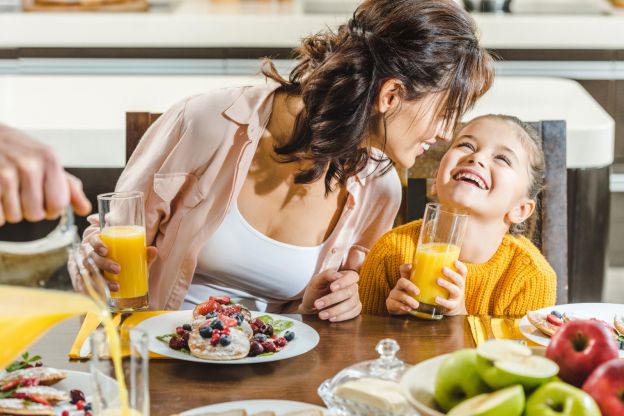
551	228
137	124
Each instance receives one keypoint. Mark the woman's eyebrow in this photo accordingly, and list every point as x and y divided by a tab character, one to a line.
510	151
467	136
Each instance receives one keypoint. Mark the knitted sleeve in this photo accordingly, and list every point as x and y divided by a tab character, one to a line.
374	284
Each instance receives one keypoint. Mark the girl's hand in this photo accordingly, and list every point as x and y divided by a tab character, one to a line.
401	298
333	295
456	303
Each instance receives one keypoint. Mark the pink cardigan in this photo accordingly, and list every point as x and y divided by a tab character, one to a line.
191	164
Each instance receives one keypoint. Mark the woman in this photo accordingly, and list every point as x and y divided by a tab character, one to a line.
275	193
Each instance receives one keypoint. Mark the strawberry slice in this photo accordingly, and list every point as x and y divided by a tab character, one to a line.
224	300
227	321
10	385
32	398
555	320
210	305
231	310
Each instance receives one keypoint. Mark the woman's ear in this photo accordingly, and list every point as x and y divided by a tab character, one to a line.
522	211
389	95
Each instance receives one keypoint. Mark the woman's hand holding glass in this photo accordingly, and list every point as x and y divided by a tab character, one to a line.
401	299
98	252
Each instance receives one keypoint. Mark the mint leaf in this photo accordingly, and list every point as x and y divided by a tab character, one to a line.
282	325
165	338
266	319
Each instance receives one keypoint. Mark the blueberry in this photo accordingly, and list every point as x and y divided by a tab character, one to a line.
225	340
289	335
557	314
88	407
239	317
205	332
217	324
211	315
187	327
260	337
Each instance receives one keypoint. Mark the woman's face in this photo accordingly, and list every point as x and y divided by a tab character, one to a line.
486	169
411	127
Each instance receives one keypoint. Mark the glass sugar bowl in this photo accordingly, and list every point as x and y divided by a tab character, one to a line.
369	388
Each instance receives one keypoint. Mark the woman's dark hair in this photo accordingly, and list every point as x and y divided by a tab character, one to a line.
431	46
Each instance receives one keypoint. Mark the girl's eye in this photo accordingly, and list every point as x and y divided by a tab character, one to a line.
467	145
504	159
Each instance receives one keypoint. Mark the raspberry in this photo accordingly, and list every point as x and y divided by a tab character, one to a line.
281	342
65	413
80	405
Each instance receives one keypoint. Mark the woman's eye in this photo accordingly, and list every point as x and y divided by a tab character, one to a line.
504	159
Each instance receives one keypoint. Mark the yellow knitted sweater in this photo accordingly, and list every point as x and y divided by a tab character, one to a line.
516	279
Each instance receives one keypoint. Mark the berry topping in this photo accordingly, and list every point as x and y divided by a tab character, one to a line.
177	343
225	340
65	413
217	324
205	332
180	331
260	337
280	342
289	335
255	349
221	299
210	305
269	346
80	405
267	330
557	314
187	327
76	396
553	319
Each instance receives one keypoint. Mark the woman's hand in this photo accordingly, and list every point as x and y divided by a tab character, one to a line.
401	298
334	295
456	303
97	252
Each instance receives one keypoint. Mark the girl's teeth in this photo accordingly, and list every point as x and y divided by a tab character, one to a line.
426	146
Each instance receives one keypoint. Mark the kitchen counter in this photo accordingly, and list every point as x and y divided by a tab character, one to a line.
202	24
82	117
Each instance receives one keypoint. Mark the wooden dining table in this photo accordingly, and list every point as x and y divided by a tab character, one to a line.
177	385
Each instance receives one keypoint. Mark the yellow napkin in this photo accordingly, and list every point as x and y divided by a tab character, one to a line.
91	322
138	317
508	328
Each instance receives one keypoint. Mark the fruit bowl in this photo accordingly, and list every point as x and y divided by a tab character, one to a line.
419	381
418	385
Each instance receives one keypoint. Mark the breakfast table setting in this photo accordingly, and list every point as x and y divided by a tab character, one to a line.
406	349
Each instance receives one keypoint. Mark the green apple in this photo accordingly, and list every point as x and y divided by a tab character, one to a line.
557	398
505	402
503	363
458	379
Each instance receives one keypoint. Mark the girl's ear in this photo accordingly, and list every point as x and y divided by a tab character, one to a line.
389	95
521	212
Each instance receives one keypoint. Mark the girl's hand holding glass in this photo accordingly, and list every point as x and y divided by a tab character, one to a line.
401	300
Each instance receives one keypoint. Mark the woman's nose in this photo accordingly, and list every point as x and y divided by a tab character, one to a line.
476	161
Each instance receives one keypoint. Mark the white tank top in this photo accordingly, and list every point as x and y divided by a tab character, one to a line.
241	262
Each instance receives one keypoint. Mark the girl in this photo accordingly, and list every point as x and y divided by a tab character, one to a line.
493	170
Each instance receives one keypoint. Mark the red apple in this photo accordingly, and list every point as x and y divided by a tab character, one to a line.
579	347
606	386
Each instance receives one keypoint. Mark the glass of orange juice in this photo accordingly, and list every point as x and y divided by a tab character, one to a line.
122	225
439	243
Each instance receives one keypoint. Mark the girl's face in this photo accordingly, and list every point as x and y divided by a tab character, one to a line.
411	127
486	171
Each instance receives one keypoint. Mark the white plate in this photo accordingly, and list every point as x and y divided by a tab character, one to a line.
306	338
603	311
418	385
255	406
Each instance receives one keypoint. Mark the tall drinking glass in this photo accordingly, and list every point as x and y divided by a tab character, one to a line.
439	243
108	385
122	225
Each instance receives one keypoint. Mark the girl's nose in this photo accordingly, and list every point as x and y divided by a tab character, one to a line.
474	159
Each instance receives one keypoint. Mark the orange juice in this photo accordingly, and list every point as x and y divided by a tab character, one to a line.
26	314
126	246
428	263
